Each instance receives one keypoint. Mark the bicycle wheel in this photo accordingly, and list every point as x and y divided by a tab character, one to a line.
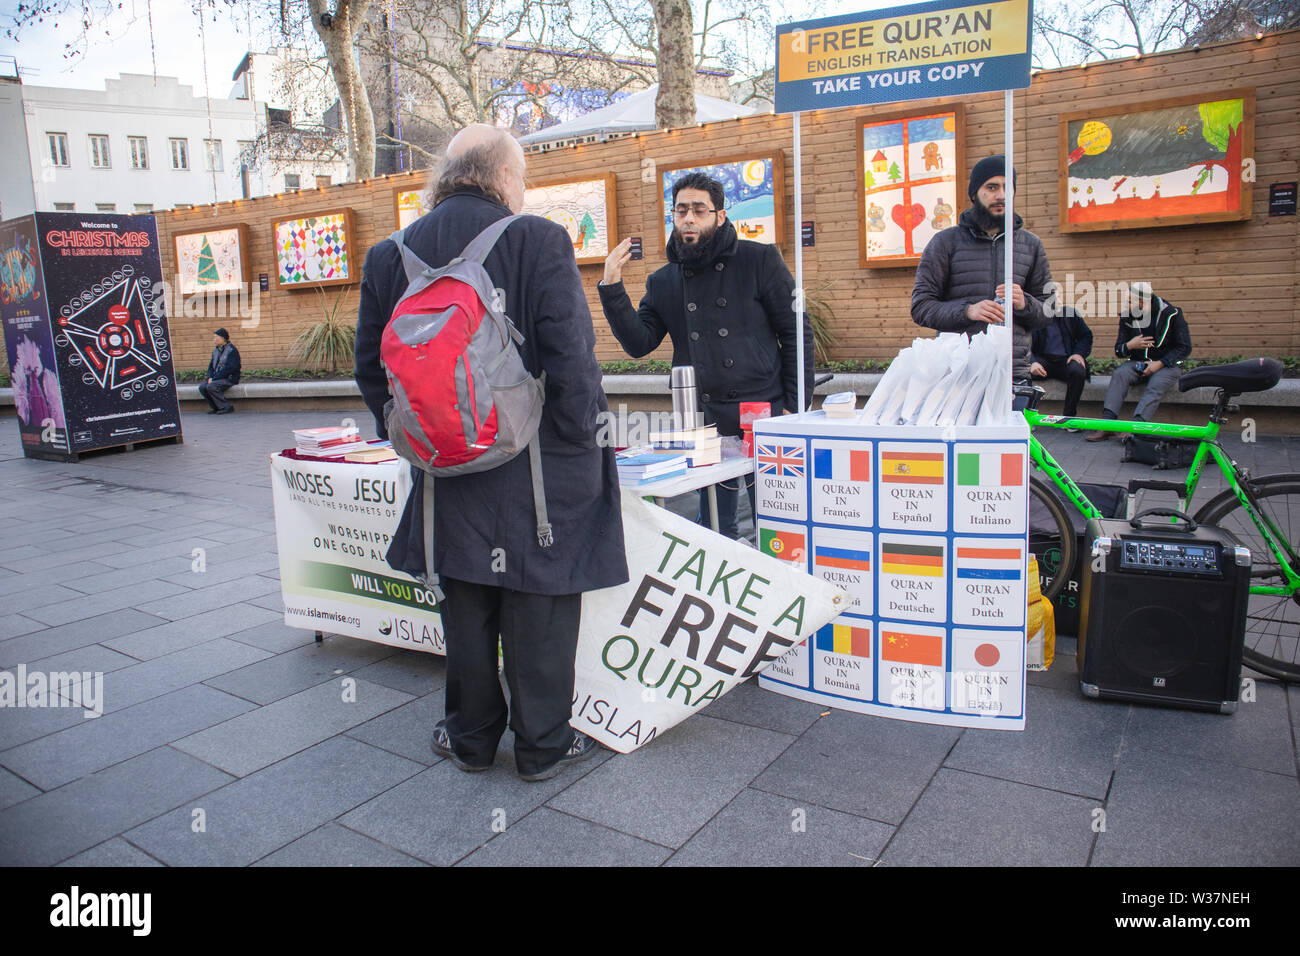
1272	623
1055	530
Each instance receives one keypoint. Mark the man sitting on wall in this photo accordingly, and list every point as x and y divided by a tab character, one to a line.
1061	352
1154	337
223	372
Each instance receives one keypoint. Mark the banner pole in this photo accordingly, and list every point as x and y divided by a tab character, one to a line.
798	255
1008	240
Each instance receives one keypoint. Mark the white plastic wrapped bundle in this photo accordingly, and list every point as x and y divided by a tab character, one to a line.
883	406
957	355
996	409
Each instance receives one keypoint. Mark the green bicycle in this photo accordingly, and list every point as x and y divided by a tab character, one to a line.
1263	512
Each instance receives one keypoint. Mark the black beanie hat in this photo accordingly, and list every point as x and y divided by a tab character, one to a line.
986	169
223	333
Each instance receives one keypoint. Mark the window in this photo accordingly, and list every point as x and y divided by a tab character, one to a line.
98	151
291	180
139	147
65	207
245	147
105	207
212	155
58	144
322	180
180	153
144	207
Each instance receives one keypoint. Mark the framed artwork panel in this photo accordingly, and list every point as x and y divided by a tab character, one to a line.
911	169
1168	162
584	207
754	187
315	250
408	206
212	260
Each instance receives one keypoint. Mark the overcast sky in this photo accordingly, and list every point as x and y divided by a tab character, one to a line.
121	44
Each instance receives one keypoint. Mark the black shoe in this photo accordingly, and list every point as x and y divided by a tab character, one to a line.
226	411
441	745
582	748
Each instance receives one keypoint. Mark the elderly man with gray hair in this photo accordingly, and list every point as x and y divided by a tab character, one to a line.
498	577
1153	336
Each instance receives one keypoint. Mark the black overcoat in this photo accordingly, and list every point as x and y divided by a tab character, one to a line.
485	529
731	316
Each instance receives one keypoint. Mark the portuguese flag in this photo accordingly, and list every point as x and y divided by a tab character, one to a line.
786	545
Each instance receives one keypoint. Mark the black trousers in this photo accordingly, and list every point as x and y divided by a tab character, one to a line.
1072	374
215	392
539	639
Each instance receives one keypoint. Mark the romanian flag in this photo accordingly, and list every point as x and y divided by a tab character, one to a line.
844	639
912	467
915	559
990	468
786	545
846	558
844	464
990	564
904	647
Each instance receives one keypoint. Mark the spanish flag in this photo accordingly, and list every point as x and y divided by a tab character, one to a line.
845	639
914	559
903	647
912	467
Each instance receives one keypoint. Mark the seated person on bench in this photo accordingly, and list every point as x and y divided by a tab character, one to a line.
1153	336
1060	351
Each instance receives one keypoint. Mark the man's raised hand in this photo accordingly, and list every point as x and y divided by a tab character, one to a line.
615	261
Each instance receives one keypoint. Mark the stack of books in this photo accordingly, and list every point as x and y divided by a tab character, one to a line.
373	452
643	466
841	405
701	446
333	441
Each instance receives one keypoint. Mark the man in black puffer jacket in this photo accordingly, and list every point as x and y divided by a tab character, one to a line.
959	282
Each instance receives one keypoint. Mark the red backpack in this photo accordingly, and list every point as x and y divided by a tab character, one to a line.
463	402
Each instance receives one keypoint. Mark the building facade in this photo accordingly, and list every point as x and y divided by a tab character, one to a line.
138	145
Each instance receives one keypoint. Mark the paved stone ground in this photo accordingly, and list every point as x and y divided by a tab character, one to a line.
212	703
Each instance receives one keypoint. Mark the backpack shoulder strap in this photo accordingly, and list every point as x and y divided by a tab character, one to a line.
412	263
481	245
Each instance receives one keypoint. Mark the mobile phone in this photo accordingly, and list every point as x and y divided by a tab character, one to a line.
635	248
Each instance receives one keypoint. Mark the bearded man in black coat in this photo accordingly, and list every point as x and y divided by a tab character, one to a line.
498	579
728	305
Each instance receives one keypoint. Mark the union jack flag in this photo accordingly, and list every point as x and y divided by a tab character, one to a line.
784	461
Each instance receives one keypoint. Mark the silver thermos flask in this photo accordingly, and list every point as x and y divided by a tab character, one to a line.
686	407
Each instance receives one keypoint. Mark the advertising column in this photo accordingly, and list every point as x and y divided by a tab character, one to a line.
29	345
110	345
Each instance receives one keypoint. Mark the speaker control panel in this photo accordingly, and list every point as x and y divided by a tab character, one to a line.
1143	555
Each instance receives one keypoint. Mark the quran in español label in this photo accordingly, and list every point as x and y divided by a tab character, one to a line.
912	477
990	488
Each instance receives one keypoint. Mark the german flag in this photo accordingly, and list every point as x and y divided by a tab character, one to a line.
916	559
903	647
912	467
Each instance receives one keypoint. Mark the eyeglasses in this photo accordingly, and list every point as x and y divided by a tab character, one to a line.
699	209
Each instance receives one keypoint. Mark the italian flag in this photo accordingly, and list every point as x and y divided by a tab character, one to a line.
990	468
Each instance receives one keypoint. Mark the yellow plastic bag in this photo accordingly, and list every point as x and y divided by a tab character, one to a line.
1040	650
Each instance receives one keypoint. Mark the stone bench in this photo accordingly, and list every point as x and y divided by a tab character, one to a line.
1286	394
